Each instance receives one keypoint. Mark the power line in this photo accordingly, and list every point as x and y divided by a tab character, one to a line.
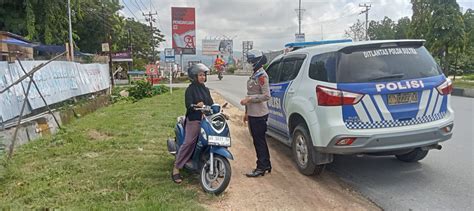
143	5
151	5
136	2
129	9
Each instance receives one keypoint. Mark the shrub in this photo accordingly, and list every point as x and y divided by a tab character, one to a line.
232	69
157	90
140	90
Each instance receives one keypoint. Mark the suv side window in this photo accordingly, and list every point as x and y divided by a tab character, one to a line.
323	67
273	72
290	67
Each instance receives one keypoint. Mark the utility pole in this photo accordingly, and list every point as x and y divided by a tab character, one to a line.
322	34
71	46
299	17
366	11
109	43
130	48
299	37
149	17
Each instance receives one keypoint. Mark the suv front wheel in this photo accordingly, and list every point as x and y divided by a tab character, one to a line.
303	153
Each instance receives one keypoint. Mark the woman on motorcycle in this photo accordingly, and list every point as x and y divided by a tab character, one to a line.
196	93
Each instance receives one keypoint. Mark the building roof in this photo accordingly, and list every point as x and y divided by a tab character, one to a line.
16	36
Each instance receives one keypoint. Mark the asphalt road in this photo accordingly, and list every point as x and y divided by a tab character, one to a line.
444	180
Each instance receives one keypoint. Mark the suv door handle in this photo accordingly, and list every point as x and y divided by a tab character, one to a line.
291	91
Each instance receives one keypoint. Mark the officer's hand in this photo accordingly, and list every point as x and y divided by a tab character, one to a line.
200	104
246	118
245	101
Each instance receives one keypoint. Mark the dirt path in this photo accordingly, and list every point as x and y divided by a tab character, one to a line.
285	188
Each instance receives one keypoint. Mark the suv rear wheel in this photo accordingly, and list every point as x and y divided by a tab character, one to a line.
303	153
413	156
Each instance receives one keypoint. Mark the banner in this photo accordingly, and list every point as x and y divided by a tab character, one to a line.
183	30
226	47
210	47
217	47
124	56
57	81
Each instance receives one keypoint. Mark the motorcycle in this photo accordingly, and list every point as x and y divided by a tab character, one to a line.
211	154
220	74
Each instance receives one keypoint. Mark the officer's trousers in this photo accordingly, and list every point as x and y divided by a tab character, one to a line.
258	127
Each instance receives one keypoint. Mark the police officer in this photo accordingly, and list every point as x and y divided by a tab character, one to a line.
256	111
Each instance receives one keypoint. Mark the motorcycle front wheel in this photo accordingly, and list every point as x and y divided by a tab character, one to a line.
217	182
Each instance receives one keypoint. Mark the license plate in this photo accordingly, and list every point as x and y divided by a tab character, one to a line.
402	98
219	141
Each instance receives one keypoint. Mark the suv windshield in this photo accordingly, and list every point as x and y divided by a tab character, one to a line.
385	64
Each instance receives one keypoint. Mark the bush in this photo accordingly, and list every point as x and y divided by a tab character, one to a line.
158	90
140	90
232	69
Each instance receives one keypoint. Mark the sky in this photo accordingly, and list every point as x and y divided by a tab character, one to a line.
270	24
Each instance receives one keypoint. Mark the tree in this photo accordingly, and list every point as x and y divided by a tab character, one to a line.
356	32
466	61
447	30
422	11
94	22
402	28
382	30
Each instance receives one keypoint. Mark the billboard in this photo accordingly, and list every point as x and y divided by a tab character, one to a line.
183	30
210	47
217	47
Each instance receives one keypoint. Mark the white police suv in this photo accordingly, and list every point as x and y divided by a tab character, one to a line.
377	97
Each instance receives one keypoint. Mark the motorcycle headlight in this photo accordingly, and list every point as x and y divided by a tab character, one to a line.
218	122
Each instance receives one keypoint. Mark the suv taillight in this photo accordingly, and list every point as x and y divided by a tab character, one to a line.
446	87
335	97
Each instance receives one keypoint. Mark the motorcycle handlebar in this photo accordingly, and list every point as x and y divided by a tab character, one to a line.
198	108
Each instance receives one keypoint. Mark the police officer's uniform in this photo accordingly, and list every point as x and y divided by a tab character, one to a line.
258	91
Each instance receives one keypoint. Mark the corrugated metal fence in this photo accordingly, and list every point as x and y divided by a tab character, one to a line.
58	81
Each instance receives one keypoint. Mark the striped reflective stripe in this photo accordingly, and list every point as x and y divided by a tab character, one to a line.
438	104
383	109
423	103
361	112
432	103
371	109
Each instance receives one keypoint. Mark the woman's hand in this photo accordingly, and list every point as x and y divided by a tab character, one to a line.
246	118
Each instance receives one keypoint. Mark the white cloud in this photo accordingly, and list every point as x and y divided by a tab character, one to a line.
272	23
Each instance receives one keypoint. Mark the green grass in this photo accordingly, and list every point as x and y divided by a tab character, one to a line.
115	158
463	84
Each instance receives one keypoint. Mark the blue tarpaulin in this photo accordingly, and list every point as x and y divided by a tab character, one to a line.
57	49
13	41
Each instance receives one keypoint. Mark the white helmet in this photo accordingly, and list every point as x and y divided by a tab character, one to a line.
256	58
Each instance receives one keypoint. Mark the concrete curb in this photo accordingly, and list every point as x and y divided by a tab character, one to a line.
463	92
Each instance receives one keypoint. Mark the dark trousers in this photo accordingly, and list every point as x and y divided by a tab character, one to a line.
191	133
258	127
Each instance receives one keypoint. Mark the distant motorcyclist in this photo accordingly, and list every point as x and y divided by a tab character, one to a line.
219	63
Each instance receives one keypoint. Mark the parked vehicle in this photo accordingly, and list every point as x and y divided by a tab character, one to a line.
210	157
386	97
